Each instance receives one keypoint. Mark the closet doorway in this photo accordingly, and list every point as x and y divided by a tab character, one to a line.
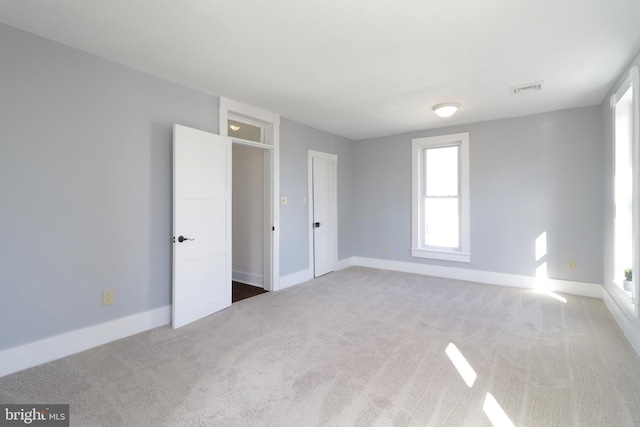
250	207
257	131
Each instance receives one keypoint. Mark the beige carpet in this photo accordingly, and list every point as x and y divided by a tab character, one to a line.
359	347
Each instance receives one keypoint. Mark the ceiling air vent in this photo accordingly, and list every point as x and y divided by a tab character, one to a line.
526	88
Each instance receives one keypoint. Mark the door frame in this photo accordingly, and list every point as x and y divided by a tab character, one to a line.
311	154
271	122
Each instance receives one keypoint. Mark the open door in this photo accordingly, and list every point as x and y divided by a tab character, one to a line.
201	224
324	211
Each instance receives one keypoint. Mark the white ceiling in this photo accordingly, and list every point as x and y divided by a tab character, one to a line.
363	68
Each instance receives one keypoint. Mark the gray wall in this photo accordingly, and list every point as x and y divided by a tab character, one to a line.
295	140
85	186
528	175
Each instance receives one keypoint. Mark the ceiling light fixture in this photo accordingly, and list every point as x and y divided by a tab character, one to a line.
446	110
234	127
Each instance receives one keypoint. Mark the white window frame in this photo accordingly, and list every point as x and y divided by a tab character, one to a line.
632	81
418	247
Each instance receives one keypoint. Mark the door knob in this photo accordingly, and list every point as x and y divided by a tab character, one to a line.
316	225
182	239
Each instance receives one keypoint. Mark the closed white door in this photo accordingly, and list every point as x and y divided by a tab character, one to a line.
201	224
324	202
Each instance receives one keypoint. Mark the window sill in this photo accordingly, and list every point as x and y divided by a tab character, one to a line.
623	298
441	255
624	294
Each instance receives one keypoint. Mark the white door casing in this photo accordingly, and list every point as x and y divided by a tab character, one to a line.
270	123
323	211
202	212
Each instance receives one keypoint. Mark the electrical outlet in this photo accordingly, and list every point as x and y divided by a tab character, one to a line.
107	297
571	264
387	249
283	200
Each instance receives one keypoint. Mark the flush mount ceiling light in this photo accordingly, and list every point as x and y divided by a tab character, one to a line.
446	110
234	127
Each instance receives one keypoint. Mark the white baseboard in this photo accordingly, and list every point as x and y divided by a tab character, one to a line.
26	356
295	278
306	275
585	289
49	349
570	287
248	278
629	330
345	263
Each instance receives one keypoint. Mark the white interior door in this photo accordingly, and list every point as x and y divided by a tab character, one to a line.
201	224
325	218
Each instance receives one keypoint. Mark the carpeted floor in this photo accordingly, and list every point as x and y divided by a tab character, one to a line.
359	347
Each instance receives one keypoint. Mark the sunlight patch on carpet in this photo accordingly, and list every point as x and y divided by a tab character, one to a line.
464	368
551	294
495	413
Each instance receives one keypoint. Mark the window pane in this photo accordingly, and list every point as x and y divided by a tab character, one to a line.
623	227
441	171
441	222
244	131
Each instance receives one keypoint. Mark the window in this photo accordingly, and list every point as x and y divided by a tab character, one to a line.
440	197
241	128
625	136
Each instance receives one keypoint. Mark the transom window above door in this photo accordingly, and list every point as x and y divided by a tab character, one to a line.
244	129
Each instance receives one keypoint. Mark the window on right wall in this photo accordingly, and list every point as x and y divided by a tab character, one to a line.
625	108
440	197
